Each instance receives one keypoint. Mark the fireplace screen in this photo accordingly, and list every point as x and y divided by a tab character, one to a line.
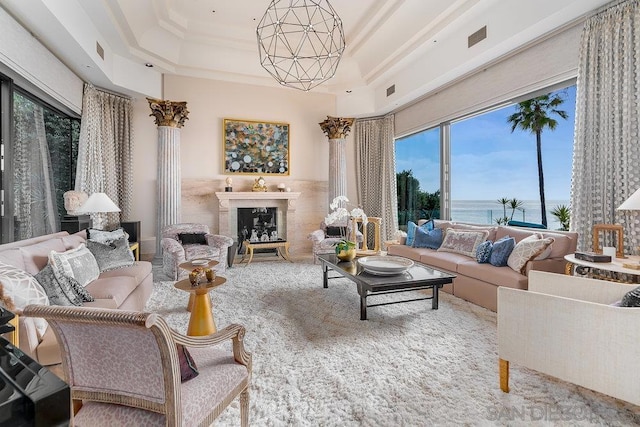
257	225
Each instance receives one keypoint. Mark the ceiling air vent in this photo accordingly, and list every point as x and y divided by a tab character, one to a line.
478	36
100	50
391	90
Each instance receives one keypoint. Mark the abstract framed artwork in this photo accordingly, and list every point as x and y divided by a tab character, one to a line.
255	148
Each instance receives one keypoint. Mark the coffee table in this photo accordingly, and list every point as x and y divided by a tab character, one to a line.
278	245
418	277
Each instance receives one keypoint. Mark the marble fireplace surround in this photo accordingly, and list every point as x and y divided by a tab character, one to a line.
229	202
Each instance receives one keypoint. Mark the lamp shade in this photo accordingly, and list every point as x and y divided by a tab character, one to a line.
98	203
632	203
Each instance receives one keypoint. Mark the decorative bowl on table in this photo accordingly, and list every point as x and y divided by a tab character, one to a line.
385	265
200	261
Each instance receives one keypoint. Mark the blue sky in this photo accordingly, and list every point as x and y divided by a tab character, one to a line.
488	161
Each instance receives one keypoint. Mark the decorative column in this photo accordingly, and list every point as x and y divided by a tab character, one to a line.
169	117
336	129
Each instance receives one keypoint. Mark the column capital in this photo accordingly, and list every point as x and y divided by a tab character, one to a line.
336	127
168	113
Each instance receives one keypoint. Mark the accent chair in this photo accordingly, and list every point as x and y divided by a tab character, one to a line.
176	248
123	368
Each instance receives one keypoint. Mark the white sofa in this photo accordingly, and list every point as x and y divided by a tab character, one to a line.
566	327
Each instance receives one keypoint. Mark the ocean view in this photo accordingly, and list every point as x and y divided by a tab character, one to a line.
487	211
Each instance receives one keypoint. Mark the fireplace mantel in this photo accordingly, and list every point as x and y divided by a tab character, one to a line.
229	202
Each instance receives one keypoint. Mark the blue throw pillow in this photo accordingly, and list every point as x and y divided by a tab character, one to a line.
431	239
483	252
429	225
501	250
411	232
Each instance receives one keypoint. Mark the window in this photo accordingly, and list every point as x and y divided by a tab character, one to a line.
489	163
40	160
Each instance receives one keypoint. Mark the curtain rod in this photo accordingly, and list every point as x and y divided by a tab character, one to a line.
109	91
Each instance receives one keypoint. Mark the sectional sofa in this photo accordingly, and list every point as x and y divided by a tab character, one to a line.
126	288
478	283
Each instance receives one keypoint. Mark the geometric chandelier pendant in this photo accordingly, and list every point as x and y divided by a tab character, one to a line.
300	42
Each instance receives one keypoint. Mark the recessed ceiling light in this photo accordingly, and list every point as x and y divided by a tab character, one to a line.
349	91
148	65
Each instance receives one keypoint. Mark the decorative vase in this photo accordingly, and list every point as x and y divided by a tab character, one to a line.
346	251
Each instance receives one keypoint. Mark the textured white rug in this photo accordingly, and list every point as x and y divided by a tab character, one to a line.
315	363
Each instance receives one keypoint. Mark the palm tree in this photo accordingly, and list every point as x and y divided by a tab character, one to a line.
533	115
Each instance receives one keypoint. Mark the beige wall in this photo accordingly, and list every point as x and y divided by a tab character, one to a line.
209	102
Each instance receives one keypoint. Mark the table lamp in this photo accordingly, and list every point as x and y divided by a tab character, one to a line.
99	204
632	203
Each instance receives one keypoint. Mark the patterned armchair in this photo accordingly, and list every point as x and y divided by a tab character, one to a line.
325	238
175	253
123	368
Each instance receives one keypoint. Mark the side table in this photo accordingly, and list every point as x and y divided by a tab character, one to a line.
613	271
189	266
201	321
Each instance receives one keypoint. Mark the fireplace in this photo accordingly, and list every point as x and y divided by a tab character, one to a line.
257	224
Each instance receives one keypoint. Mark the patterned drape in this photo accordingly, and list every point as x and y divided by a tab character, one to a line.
376	171
105	149
606	149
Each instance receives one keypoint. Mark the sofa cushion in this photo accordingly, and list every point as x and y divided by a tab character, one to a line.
561	245
78	263
117	288
444	260
490	274
427	238
526	250
74	240
516	233
62	290
13	257
23	289
408	251
139	271
464	242
200	251
112	255
501	250
36	256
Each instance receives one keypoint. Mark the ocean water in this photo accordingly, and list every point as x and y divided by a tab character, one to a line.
487	211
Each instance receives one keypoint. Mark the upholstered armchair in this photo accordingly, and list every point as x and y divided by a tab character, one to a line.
176	248
123	368
570	328
325	238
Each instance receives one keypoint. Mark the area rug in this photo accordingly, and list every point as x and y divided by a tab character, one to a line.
315	363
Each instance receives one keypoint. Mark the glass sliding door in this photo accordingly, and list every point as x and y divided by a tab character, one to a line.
418	176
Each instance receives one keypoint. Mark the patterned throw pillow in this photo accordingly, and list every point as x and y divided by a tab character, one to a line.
501	251
23	289
112	255
631	298
463	242
431	239
106	237
483	252
78	263
62	292
526	250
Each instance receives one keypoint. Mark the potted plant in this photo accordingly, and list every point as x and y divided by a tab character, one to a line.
345	248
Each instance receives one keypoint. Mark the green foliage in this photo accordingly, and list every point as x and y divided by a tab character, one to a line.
414	204
513	204
534	115
563	215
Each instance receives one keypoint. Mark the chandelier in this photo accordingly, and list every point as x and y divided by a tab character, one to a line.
300	42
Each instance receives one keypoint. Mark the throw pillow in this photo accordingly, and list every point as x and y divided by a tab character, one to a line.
103	236
336	231
23	289
188	368
78	263
192	238
431	239
526	250
502	248
631	298
62	292
112	255
411	233
463	242
483	252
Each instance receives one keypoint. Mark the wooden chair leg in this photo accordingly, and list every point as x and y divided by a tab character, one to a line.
504	375
244	408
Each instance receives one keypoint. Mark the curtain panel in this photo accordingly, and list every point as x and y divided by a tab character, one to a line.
105	149
606	148
376	171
